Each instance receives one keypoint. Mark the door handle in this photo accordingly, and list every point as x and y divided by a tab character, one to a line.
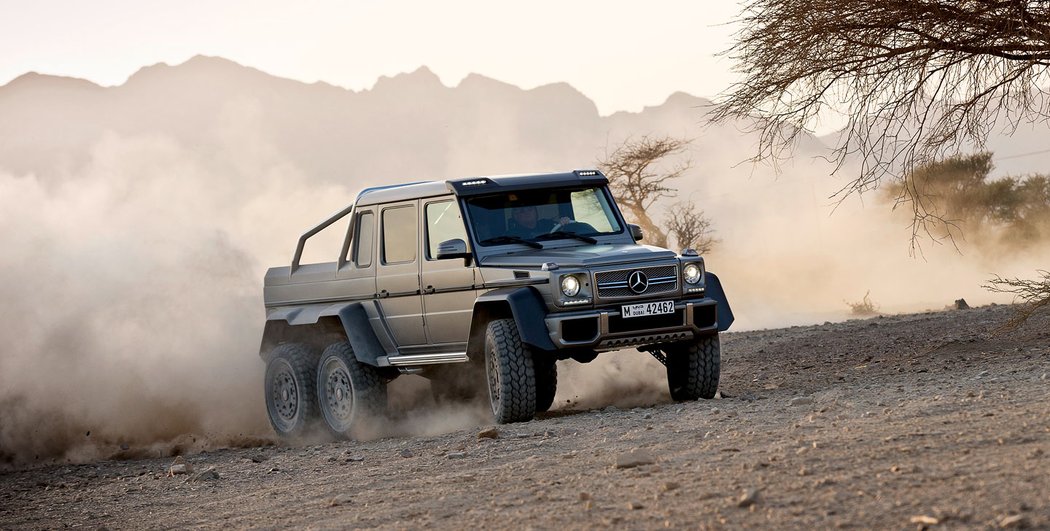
383	294
429	289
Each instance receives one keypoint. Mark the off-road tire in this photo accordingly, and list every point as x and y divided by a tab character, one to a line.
289	389
351	395
693	368
546	382
509	372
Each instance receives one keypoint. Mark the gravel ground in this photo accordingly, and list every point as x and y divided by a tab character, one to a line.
927	420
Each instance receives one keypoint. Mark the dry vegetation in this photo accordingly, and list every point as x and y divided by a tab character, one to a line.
1034	295
915	80
918	82
864	307
960	200
640	181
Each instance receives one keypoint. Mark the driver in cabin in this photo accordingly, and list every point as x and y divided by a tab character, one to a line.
526	223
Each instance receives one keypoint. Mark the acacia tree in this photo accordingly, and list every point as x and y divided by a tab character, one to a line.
917	80
1010	212
690	228
639	182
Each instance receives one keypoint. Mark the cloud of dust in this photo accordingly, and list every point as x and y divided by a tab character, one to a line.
414	412
624	379
133	307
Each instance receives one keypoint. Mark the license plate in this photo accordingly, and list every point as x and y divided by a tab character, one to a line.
647	308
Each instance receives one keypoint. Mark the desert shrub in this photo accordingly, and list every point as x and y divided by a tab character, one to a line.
863	308
1032	294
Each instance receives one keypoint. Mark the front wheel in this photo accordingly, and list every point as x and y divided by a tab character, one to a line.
510	373
693	368
351	394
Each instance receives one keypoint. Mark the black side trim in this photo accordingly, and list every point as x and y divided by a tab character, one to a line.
513	282
305	302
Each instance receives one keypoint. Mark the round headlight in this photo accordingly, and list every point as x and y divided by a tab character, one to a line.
691	273
570	285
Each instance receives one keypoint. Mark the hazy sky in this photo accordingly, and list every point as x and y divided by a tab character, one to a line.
622	55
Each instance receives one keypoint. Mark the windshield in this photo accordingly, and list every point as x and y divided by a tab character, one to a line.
538	215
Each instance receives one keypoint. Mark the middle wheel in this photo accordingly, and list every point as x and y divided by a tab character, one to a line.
351	394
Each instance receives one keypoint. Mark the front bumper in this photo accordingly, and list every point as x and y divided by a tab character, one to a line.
606	329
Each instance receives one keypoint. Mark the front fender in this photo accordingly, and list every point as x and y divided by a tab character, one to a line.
523	304
715	291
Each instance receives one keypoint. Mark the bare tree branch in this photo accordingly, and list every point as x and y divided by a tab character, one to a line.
637	182
1034	295
689	227
917	80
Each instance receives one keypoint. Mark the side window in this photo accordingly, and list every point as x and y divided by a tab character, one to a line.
399	234
444	222
364	236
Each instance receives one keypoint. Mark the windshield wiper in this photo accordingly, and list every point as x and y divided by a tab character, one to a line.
511	239
559	234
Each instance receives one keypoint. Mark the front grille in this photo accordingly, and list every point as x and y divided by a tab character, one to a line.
614	284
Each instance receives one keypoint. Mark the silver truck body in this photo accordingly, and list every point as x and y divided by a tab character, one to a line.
425	267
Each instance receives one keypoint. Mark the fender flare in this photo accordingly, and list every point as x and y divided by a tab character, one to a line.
716	292
362	337
315	326
523	304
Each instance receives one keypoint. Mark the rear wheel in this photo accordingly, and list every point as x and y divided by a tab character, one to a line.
693	368
546	382
510	373
352	395
290	393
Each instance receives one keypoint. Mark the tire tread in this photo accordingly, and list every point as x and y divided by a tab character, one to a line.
517	373
693	369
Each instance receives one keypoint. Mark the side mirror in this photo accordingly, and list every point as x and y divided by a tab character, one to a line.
636	232
454	248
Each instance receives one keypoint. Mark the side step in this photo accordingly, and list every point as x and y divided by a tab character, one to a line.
426	359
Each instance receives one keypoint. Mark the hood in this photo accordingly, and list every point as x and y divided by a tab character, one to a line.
579	256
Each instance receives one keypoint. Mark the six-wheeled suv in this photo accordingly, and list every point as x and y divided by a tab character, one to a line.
480	285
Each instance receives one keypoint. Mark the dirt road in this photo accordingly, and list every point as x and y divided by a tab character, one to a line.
891	422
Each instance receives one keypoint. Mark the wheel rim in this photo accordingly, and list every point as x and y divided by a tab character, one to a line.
284	396
492	370
337	394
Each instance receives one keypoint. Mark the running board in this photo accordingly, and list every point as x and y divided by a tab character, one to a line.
427	359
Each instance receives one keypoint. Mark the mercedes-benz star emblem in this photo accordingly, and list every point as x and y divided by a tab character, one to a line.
638	282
